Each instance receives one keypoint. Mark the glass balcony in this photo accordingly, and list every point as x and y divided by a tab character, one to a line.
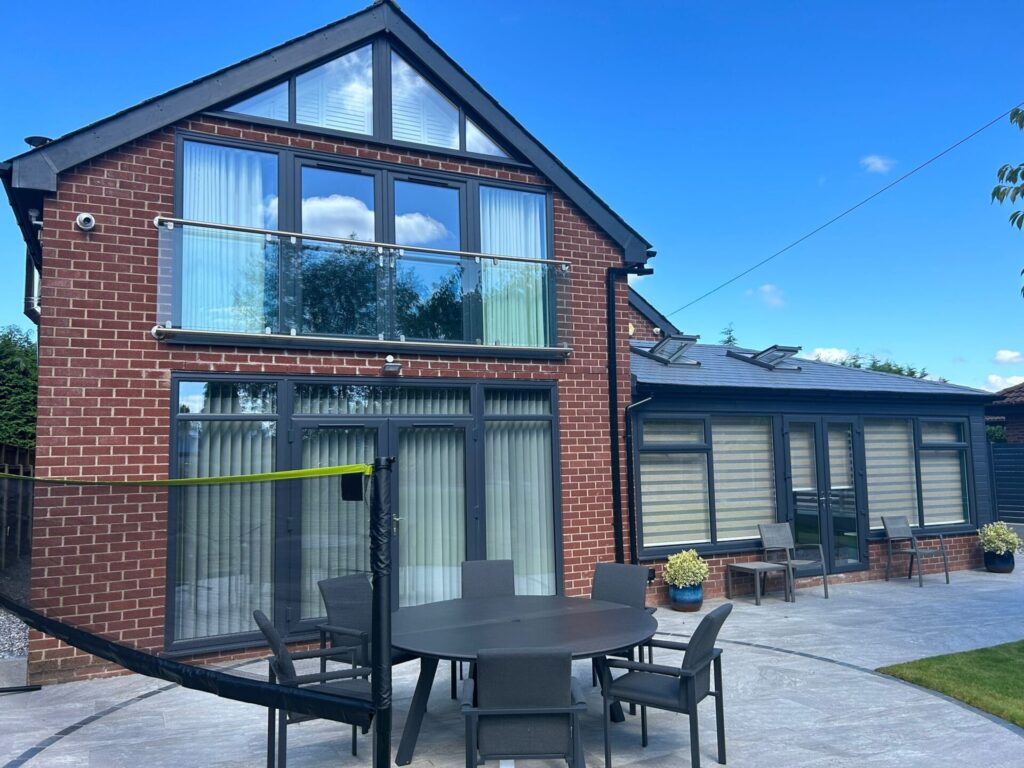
219	280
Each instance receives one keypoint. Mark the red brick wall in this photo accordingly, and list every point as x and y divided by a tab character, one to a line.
104	383
643	329
964	553
1015	427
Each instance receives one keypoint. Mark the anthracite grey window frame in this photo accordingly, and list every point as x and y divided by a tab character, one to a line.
963	447
780	411
290	163
381	62
287	554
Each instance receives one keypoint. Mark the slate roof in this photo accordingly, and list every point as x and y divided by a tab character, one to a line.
1011	397
718	370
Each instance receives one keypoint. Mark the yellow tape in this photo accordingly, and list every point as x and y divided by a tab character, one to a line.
264	477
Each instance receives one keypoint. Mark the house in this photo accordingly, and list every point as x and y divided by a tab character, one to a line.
338	248
724	438
1007	410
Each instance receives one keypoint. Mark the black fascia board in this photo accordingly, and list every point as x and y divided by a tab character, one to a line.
651	314
37	169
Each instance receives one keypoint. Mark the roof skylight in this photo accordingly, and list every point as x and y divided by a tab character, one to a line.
774	357
671	350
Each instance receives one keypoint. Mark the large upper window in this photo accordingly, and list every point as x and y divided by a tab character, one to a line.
421	286
338	96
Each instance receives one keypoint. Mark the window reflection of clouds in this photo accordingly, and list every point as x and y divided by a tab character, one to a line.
419	113
338	94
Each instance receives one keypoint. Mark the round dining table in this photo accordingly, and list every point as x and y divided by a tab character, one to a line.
458	629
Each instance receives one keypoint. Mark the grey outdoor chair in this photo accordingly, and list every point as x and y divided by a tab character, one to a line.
481	579
898	529
778	537
675	689
523	704
349	603
346	682
624	584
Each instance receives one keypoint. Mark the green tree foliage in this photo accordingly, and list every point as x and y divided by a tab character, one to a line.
728	336
996	433
1011	180
18	376
875	363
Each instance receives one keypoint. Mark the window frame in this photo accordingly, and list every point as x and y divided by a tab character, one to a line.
288	426
291	161
380	58
967	462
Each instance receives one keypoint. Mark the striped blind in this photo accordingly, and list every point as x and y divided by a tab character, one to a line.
674	498
889	463
943	474
744	475
673	431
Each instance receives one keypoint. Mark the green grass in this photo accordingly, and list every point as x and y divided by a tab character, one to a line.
990	679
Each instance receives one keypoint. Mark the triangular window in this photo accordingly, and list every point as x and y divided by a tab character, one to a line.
479	142
338	94
419	112
271	103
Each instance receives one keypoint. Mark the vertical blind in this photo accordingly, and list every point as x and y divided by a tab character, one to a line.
335	533
224	275
514	294
518	489
744	469
225	532
889	464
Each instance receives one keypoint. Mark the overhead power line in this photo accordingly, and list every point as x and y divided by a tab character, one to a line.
848	211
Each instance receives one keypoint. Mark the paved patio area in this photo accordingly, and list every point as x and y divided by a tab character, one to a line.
800	691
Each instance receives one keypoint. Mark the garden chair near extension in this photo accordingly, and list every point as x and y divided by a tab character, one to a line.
624	584
351	683
482	579
675	689
897	529
523	704
778	537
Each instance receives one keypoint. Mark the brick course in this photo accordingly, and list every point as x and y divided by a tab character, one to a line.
104	382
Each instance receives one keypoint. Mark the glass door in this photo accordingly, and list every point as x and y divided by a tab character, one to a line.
430	529
824	498
333	534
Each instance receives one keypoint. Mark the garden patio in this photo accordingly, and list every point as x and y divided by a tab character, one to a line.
800	690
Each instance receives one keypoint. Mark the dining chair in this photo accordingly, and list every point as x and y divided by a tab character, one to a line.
352	683
482	579
624	584
778	537
675	689
523	704
897	529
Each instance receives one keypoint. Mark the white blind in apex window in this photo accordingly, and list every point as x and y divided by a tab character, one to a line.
338	94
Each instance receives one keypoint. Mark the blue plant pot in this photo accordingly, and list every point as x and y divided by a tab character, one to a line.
999	563
687	598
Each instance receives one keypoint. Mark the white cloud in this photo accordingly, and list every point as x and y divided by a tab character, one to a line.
349	217
995	382
877	163
1008	357
830	354
770	294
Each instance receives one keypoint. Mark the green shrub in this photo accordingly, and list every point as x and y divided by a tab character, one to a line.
999	538
685	569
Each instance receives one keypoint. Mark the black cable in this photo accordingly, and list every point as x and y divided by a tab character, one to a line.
848	211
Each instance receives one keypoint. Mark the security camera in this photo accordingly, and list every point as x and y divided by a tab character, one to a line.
85	222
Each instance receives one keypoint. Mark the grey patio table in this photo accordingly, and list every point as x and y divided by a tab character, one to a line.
457	629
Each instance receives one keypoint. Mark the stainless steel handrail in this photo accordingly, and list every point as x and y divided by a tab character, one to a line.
159	221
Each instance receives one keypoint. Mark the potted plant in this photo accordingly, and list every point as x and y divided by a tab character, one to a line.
685	573
999	541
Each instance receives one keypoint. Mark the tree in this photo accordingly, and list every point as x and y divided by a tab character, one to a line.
728	336
875	363
1011	181
18	376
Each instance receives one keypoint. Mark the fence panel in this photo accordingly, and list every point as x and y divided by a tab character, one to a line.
1008	473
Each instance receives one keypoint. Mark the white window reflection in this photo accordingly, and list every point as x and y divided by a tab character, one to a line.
338	94
419	113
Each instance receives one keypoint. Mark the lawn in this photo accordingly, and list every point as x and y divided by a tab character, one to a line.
990	679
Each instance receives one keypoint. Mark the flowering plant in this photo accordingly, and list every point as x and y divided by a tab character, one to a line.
999	538
685	569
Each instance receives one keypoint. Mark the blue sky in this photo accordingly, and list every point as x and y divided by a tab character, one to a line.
722	131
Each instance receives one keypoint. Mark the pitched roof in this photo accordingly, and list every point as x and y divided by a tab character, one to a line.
652	315
1011	397
38	168
718	369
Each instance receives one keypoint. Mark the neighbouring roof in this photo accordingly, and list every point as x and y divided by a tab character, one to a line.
718	369
650	314
1011	397
37	169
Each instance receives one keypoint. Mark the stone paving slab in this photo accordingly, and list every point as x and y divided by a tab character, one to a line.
800	691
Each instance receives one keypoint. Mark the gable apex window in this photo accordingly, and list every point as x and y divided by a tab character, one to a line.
371	91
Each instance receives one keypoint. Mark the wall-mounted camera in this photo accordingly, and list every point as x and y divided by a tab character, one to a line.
85	222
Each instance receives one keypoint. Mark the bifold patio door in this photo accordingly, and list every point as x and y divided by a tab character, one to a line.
824	478
429	496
